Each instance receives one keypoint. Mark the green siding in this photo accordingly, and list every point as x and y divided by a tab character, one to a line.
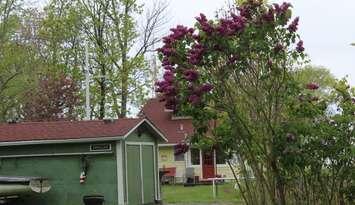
134	175
63	173
148	174
143	137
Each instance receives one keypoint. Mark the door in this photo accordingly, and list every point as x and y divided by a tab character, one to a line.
208	165
148	174
134	183
141	175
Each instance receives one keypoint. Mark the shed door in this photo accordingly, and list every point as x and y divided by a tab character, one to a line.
148	174
134	183
140	174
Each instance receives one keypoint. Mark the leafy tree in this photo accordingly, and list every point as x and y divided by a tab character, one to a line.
55	98
316	74
239	70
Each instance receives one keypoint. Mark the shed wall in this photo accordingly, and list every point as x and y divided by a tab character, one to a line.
63	173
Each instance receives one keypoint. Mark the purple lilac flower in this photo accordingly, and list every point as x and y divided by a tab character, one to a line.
269	16
169	67
194	99
312	86
245	12
205	25
169	76
191	75
293	26
281	9
279	47
195	54
206	87
300	47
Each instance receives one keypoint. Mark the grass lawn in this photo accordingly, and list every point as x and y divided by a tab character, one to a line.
201	194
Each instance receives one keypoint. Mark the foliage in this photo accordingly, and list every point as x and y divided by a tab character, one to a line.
240	71
54	99
37	44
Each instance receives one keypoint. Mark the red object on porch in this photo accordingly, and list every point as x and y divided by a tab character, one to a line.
169	174
169	171
208	165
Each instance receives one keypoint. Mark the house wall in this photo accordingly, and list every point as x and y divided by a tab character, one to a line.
166	159
63	172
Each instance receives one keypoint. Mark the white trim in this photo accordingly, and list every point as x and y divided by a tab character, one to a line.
54	154
150	124
140	143
125	150
166	145
120	180
82	140
222	165
157	182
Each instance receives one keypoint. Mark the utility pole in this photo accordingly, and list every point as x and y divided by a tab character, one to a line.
87	85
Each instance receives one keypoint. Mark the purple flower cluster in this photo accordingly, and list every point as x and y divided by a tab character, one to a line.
269	16
191	75
281	9
205	25
181	148
197	93
195	54
279	47
177	33
166	86
228	27
300	47
312	86
294	25
245	11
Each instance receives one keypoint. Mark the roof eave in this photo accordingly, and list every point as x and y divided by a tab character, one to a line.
62	141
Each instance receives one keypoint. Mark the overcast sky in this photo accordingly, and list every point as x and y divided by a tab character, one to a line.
326	26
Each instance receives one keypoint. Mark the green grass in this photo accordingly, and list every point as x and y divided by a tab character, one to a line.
178	194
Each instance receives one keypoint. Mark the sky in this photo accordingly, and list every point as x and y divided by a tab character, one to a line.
327	28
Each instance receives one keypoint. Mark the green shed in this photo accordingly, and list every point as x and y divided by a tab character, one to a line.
61	163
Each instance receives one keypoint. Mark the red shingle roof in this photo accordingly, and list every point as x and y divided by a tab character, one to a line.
64	130
175	130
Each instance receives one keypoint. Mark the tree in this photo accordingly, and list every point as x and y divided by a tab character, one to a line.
239	70
316	74
119	46
55	99
18	61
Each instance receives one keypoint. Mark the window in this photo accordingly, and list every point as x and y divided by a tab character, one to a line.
195	156
179	157
221	157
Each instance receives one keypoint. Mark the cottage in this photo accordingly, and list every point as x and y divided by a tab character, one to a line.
113	160
205	164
